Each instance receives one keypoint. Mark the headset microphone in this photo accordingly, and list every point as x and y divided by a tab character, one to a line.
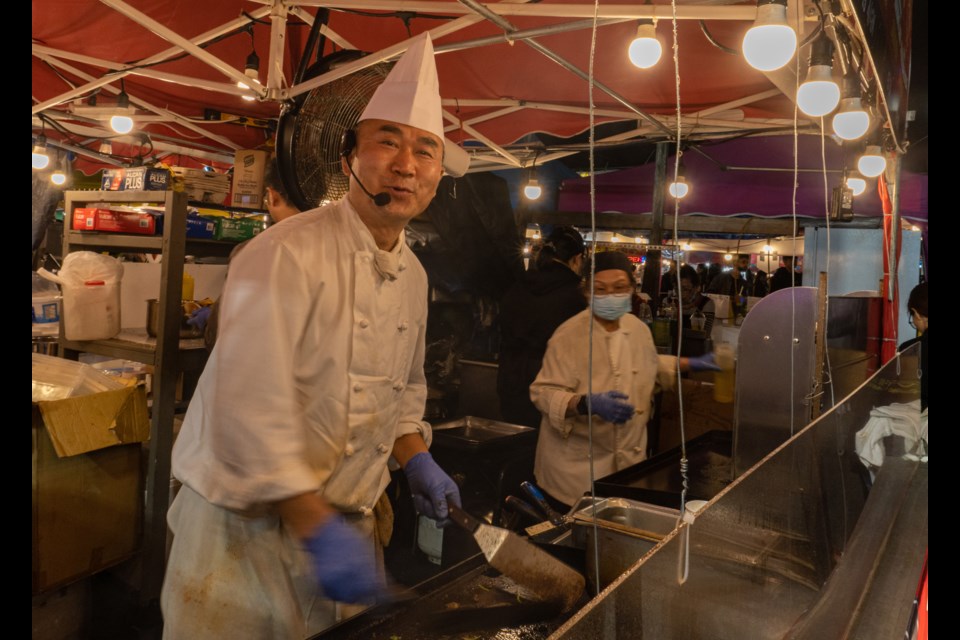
381	199
347	143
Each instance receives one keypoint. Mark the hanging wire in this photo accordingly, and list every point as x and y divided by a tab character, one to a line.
684	561
593	271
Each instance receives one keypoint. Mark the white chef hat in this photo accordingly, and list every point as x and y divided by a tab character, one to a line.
410	95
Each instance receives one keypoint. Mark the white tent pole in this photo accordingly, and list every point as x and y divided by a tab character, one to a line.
167	34
146	105
552	10
505	24
376	57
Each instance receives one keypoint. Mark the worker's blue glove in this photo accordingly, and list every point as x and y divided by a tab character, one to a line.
706	362
199	317
432	489
611	406
345	564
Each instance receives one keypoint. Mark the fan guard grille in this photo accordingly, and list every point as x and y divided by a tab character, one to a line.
326	113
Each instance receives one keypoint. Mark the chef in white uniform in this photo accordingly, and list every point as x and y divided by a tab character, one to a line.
315	385
617	392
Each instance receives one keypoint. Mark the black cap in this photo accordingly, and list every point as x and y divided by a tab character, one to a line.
606	260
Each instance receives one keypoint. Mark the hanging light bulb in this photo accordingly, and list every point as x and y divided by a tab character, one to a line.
819	95
58	177
728	256
122	123
679	187
645	50
856	183
40	157
851	120
532	190
251	69
771	42
872	163
686	246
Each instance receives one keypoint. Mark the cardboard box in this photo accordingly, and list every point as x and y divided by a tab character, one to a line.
135	179
84	219
238	229
200	227
249	167
87	484
116	221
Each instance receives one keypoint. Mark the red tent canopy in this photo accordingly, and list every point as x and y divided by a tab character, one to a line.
499	82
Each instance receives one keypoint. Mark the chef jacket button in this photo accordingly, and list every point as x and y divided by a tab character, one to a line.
398	386
401	266
382	448
357	388
366	511
348	450
364	323
403	326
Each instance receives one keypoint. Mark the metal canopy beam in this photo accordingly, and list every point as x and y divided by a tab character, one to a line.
688	223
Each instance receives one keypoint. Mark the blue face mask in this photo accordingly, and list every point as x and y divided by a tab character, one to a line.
611	307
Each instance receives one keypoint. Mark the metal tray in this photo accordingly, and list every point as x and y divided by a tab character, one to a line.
481	435
658	480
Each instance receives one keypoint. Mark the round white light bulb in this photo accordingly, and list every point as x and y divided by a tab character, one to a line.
121	124
728	257
856	184
645	50
679	189
40	160
872	163
770	43
819	95
58	177
532	191
851	122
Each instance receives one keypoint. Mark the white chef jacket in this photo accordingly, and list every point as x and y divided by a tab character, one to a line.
317	370
625	360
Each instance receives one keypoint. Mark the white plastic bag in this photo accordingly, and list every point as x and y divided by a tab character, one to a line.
91	295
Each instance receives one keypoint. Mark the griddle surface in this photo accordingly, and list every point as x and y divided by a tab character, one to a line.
472	589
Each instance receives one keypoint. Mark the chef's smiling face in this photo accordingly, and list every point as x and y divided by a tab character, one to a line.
397	159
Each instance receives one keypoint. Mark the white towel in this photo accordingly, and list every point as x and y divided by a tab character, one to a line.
895	419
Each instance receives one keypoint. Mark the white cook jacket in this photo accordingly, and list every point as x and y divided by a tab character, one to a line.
562	463
317	370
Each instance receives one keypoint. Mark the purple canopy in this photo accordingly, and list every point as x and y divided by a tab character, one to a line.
715	191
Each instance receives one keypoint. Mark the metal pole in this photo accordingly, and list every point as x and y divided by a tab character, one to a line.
651	272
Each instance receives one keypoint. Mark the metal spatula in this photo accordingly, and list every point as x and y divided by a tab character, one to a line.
523	562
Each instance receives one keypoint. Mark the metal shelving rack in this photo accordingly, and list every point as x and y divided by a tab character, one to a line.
168	354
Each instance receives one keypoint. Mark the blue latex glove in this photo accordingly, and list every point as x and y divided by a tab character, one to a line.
199	317
345	564
706	362
611	406
430	486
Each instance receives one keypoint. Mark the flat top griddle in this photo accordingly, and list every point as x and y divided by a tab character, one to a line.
658	480
469	600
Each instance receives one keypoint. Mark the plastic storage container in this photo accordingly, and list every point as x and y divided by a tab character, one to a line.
91	295
46	307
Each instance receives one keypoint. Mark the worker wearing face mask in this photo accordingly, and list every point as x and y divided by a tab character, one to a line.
609	384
